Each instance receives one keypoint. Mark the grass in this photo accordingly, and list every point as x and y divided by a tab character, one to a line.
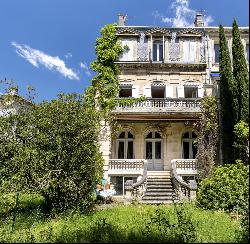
122	224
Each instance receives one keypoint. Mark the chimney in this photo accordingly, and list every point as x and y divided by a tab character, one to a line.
198	20
121	19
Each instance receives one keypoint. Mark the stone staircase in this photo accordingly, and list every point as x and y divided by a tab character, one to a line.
159	188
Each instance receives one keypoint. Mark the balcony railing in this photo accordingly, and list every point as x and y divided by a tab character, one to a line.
160	105
126	166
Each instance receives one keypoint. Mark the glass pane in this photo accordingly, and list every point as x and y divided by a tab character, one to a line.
130	135
185	150
157	150
121	149
125	92
130	151
149	135
160	52
157	135
194	148
194	135
186	135
118	185
148	150
122	135
154	52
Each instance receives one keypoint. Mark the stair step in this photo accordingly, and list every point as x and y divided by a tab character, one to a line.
159	184
159	189
166	177
158	201
157	198
169	193
158	180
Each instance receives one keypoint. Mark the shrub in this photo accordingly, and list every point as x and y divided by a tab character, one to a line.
52	149
226	188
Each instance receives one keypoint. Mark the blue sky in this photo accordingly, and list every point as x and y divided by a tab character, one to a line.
50	44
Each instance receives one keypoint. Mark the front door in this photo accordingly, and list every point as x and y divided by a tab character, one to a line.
153	144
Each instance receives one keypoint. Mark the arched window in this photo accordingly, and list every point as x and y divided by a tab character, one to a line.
125	147
157	51
189	149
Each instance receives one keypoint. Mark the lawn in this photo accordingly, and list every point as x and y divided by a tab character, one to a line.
118	223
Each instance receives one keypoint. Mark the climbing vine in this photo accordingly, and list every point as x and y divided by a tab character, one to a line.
102	94
105	85
208	136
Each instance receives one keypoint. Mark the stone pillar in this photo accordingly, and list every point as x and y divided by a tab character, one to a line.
105	145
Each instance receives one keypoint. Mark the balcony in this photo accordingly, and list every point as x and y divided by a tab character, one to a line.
159	105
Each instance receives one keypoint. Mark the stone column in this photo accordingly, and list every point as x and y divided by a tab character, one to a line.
105	145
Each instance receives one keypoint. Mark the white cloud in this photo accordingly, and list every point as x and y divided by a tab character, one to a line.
68	55
36	58
184	15
85	68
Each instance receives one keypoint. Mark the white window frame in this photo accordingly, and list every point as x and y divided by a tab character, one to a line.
125	140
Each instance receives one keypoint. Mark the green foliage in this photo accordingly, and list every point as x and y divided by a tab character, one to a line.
241	133
181	230
226	188
26	202
241	76
208	136
125	224
227	100
52	150
105	85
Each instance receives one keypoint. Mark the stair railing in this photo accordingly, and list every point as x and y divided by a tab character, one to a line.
139	187
182	189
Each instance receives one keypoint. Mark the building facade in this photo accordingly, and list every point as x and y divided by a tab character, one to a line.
173	68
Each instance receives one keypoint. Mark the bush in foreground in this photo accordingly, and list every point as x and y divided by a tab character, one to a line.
226	188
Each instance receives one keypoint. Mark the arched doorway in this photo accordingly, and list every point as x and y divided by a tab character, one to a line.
153	151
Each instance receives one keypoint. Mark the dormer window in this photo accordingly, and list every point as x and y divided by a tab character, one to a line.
125	91
157	51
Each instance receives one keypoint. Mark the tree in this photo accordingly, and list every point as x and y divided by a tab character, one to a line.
240	74
226	109
53	150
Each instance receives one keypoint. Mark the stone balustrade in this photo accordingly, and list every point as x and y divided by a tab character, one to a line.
159	105
126	166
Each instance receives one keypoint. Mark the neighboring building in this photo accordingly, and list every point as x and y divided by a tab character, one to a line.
173	68
11	102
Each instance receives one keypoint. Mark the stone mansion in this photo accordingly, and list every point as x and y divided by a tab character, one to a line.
173	68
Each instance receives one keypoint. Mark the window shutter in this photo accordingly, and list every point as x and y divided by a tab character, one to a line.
169	91
192	52
147	91
200	91
180	91
185	51
130	56
135	91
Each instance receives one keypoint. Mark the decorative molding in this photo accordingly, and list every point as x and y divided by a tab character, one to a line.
158	30
174	49
189	31
127	31
142	48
